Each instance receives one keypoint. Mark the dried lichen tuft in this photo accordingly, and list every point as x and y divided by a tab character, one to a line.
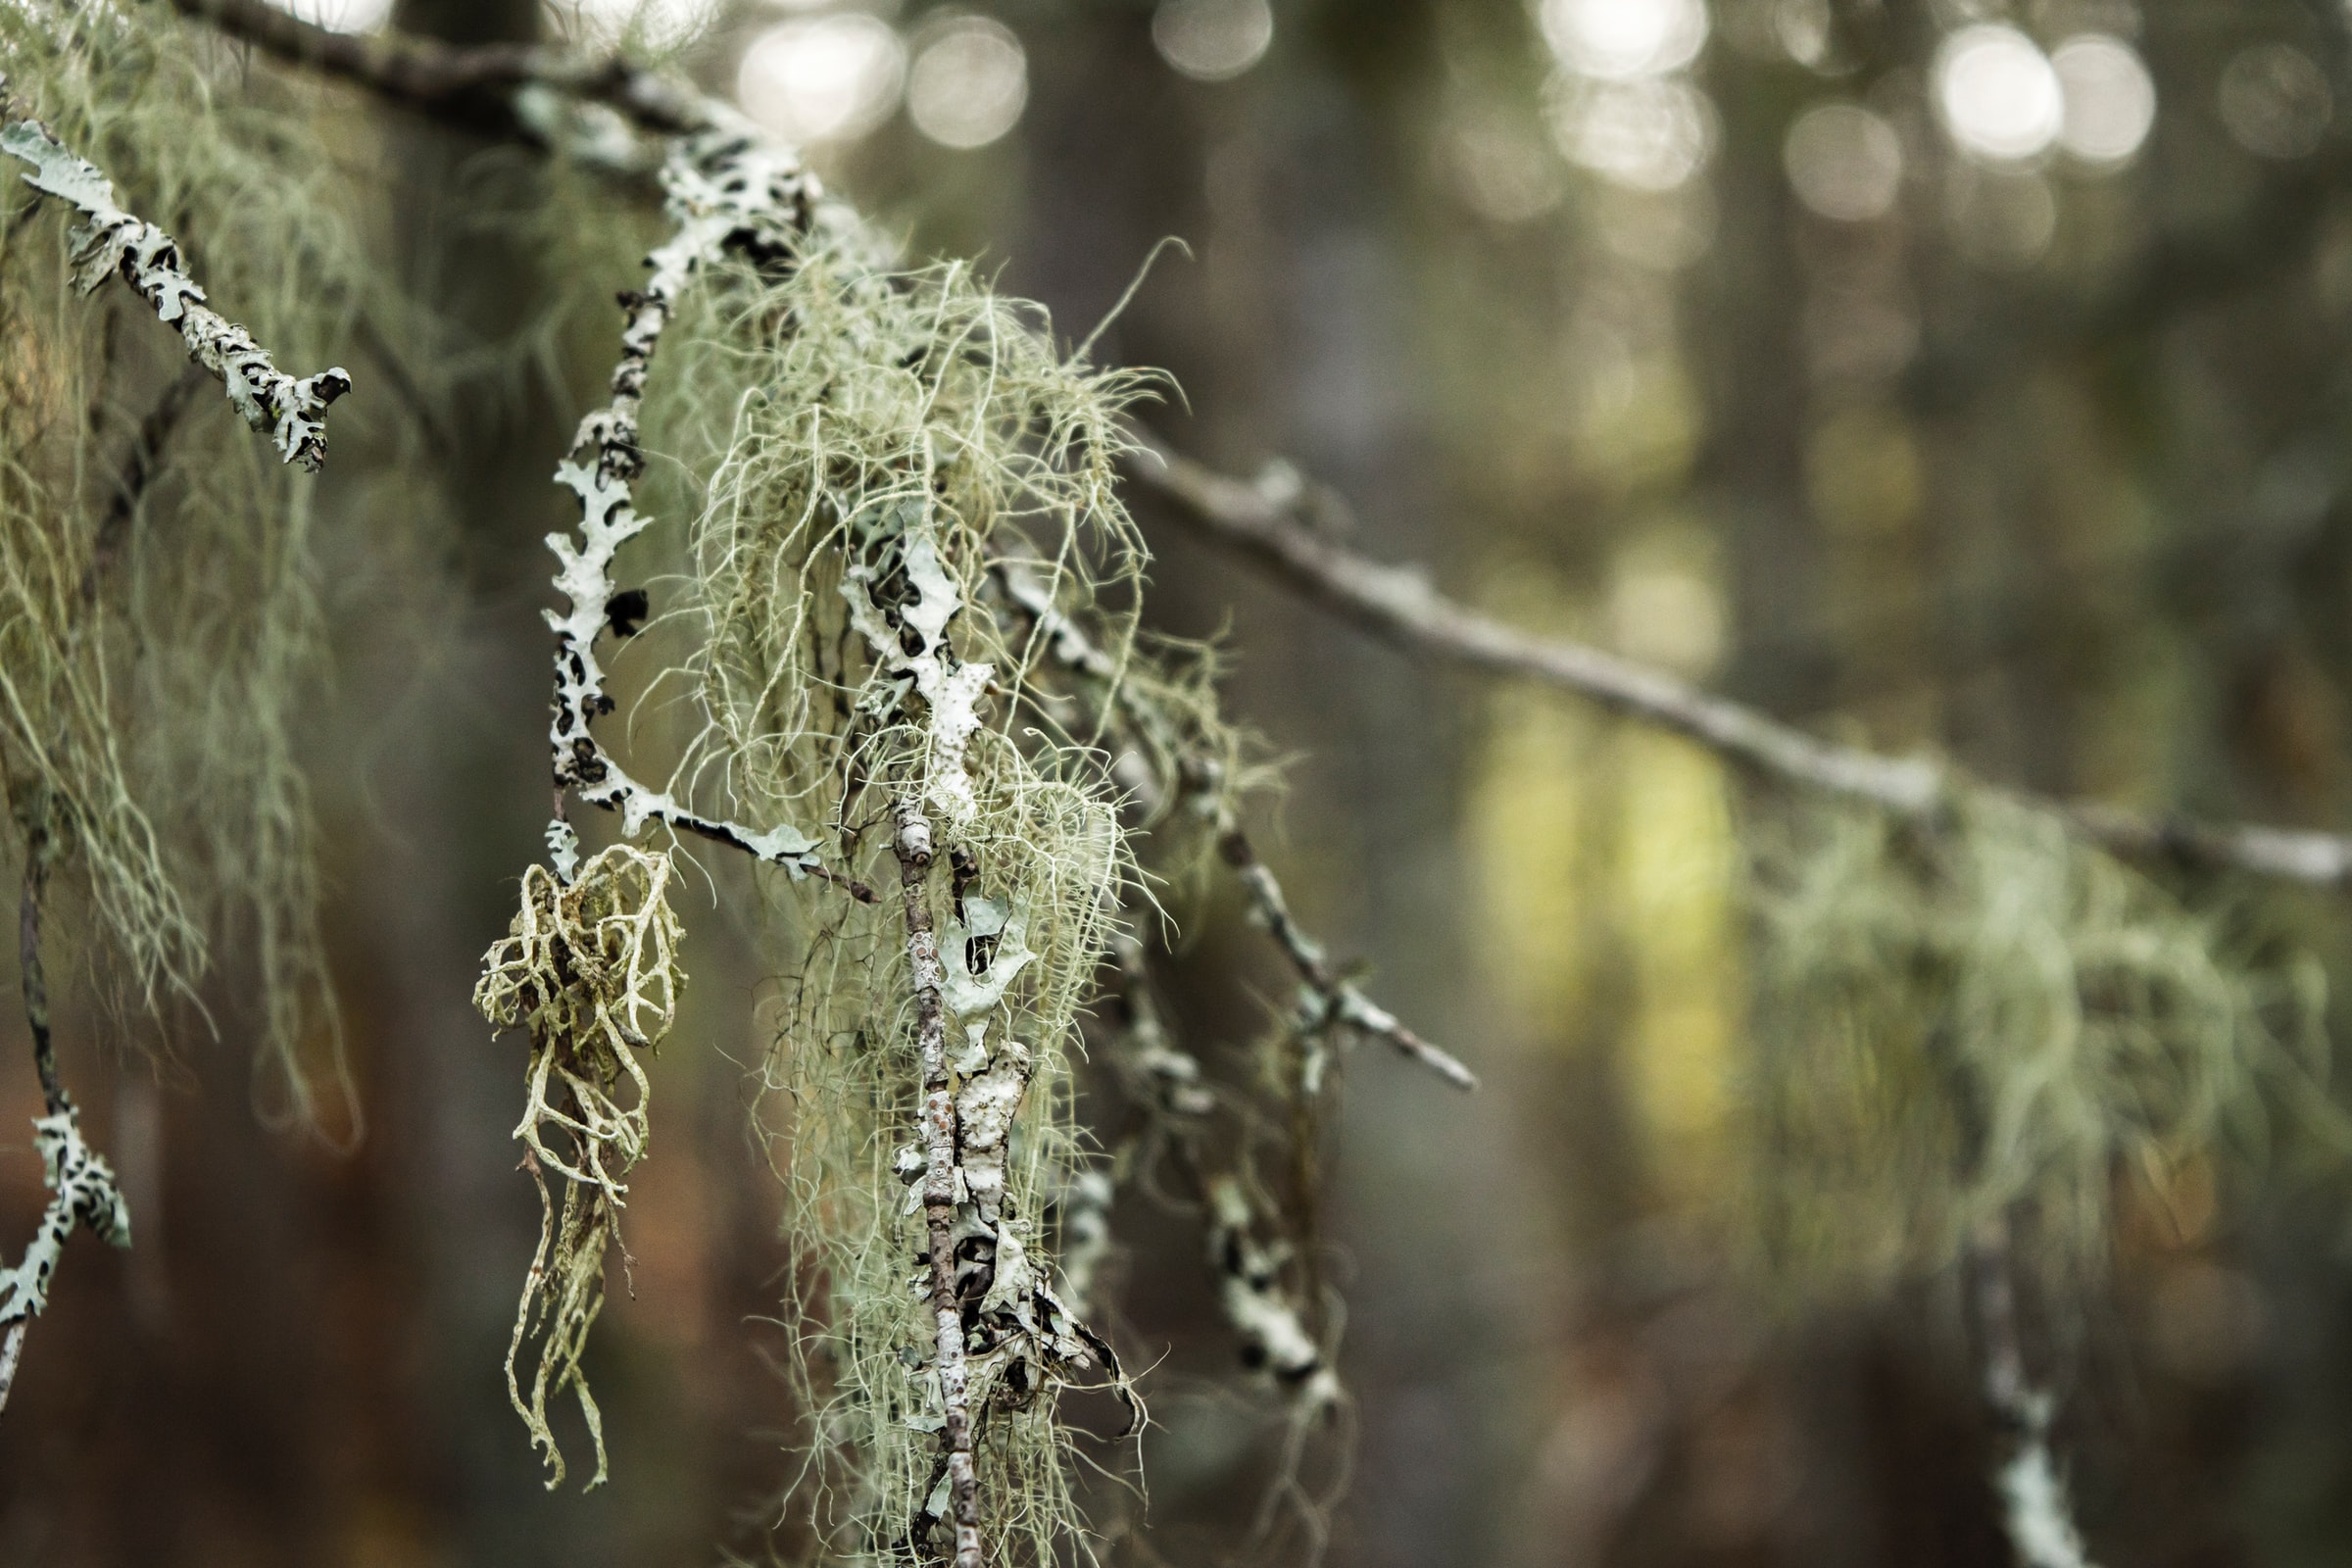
590	970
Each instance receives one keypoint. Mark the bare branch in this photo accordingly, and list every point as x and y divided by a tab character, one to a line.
1261	522
291	412
454	80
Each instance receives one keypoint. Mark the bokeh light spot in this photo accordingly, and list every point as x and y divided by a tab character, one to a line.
1212	40
1845	162
822	78
1621	40
1503	171
1997	93
969	83
1646	135
2274	101
2110	98
340	15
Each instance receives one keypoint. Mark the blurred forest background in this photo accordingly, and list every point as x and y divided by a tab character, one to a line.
1966	376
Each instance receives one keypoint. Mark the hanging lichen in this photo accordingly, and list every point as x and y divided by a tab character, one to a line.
1961	1017
159	600
590	970
897	443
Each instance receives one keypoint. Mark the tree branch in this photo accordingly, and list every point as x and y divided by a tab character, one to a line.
471	85
913	843
291	412
1262	523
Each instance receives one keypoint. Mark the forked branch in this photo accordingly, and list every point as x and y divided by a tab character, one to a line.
81	1182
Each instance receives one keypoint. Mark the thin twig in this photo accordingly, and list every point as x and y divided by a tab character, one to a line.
913	843
39	846
290	411
1331	1000
139	469
1263	524
2034	1507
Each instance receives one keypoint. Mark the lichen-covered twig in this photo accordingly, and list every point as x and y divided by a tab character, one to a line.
913	843
84	1194
291	412
2035	1508
1268	1320
1328	1000
1262	1313
1263	522
729	191
80	1181
1331	998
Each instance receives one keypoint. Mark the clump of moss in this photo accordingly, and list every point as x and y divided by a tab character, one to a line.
1983	1015
590	970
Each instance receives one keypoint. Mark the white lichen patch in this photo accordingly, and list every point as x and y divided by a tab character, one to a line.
108	241
82	1193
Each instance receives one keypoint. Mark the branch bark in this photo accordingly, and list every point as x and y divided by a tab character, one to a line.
290	411
913	843
1262	523
474	84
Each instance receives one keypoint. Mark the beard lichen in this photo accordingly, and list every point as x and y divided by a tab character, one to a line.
892	443
161	603
1980	1018
590	970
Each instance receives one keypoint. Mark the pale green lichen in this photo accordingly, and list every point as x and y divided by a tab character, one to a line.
590	970
891	441
1983	1015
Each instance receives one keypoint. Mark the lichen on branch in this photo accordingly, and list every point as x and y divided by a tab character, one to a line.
590	970
82	1193
108	241
729	192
